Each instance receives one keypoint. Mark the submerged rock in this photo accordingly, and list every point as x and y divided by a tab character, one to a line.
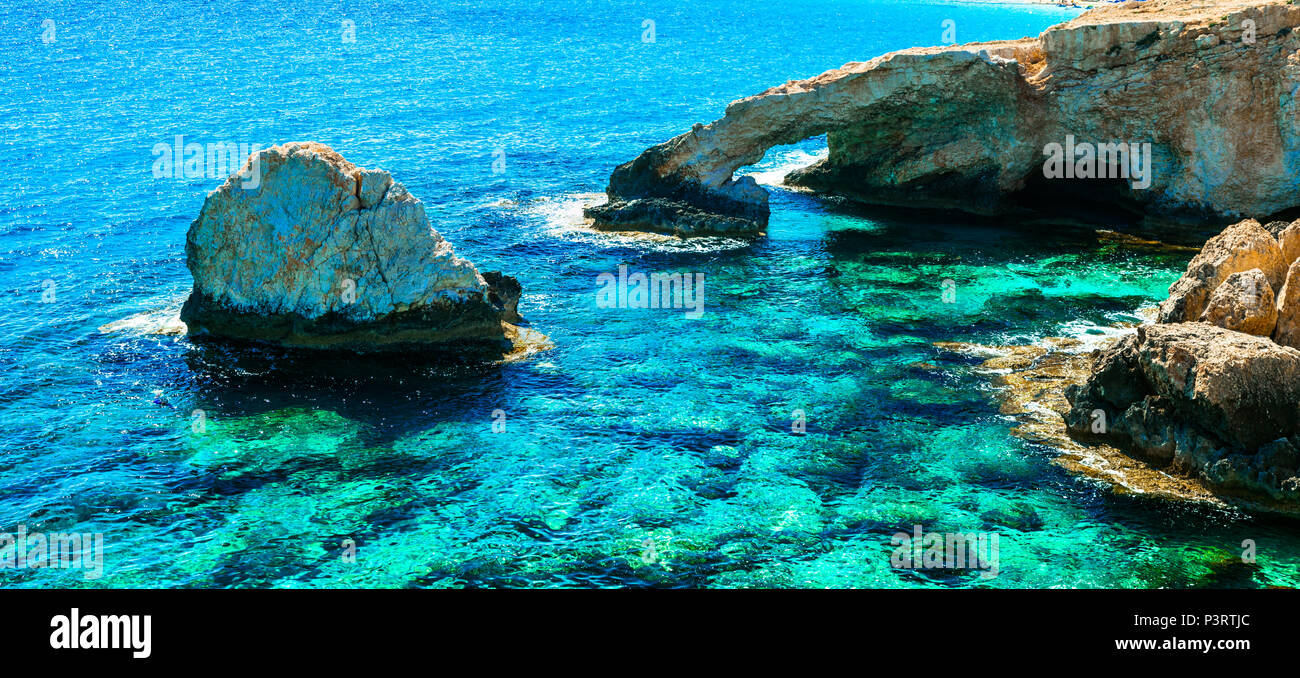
323	254
1030	381
967	126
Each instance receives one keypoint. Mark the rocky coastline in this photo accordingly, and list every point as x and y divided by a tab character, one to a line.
1184	112
323	254
1202	93
1030	383
1211	390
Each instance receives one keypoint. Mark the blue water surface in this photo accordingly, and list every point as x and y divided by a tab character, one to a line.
646	448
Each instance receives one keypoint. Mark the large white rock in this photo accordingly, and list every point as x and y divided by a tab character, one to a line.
324	254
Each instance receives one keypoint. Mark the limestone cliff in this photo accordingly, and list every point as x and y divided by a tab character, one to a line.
324	254
1210	85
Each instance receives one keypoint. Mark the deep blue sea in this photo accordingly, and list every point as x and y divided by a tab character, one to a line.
646	448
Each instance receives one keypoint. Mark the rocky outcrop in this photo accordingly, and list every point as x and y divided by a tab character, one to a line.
1240	247
1211	86
1201	400
1243	303
1287	330
1217	399
325	254
1029	385
660	215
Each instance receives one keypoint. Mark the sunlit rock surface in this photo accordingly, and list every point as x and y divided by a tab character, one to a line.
1240	247
1212	390
324	254
1243	303
1211	86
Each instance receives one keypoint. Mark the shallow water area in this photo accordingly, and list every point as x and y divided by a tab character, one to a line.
646	448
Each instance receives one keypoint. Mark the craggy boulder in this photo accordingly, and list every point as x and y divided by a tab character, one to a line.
1288	239
323	254
1287	330
1244	389
1202	400
1240	247
1243	303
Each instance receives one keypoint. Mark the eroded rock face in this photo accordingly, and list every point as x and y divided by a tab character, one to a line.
966	126
1199	399
324	254
1241	247
1243	303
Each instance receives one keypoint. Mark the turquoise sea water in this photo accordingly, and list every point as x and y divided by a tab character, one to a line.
645	449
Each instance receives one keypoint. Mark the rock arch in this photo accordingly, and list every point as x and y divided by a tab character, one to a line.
965	126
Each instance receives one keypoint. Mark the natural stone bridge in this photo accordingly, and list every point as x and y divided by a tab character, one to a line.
1212	86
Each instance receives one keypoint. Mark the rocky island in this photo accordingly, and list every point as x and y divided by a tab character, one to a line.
1204	91
323	254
